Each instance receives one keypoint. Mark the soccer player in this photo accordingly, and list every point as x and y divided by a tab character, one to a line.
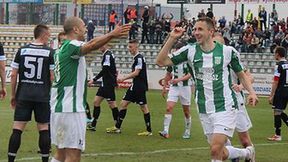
2	73
68	93
243	122
107	87
136	92
34	65
215	99
180	88
279	93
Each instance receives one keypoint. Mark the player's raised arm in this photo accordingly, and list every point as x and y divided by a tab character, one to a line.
118	32
162	59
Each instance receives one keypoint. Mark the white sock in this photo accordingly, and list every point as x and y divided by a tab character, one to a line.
167	121
187	124
236	152
54	160
216	160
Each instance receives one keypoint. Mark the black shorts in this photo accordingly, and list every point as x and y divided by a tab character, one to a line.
138	97
106	92
23	111
280	100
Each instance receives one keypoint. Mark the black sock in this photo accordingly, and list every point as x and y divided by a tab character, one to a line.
115	113
284	118
96	114
122	114
44	144
277	124
88	112
14	144
147	122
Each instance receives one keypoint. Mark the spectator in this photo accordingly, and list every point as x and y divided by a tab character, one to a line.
90	29
274	17
263	18
249	17
112	20
284	42
210	13
222	22
158	29
152	31
239	24
279	37
266	38
201	14
133	14
246	41
255	23
254	43
127	15
167	23
145	18
133	30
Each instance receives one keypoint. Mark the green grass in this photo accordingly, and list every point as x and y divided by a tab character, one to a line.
128	147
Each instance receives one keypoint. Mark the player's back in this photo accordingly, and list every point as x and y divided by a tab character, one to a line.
34	62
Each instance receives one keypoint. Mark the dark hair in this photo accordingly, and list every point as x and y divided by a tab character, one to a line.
133	41
281	51
210	23
39	30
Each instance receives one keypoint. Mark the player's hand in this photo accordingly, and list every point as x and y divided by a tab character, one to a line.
3	93
237	87
120	80
90	83
121	30
252	99
177	32
270	100
13	103
174	81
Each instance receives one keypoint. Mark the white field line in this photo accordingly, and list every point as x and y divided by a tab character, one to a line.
141	153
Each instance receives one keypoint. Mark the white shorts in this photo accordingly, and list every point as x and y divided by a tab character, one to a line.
243	122
68	130
220	122
183	93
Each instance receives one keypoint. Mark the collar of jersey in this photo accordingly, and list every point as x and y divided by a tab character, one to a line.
208	52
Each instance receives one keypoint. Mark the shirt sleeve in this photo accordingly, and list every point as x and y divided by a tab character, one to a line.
277	72
235	61
75	48
180	55
16	61
139	63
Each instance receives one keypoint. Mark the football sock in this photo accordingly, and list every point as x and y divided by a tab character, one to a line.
14	144
88	113
277	124
115	113
167	121
284	118
188	124
96	113
122	114
236	152
44	144
147	122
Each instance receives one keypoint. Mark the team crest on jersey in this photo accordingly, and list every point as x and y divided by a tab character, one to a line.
217	60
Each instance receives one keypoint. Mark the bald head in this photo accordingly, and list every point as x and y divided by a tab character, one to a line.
70	23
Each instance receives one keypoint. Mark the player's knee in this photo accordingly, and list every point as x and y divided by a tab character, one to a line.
215	150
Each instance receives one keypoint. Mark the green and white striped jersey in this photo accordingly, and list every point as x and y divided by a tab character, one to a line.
68	93
178	71
211	73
